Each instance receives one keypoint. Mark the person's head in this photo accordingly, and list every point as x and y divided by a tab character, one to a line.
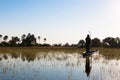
88	35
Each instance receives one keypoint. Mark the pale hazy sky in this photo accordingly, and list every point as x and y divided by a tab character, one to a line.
60	21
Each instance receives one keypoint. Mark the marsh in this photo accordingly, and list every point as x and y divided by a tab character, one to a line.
57	65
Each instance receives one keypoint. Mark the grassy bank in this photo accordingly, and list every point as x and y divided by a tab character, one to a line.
39	49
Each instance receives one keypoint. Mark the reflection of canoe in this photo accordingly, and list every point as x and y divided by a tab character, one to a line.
85	54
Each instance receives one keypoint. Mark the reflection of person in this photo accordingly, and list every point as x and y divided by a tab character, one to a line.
88	41
87	66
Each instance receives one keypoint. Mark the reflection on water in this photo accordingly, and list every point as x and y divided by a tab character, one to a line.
87	66
57	66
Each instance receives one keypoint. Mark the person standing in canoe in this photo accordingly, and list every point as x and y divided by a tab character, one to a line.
87	45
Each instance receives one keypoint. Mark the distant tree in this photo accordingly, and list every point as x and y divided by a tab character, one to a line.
105	42
109	42
32	39
14	41
95	42
74	45
39	39
117	39
81	44
29	40
113	42
5	37
45	39
57	45
23	36
4	44
66	44
46	45
1	37
23	39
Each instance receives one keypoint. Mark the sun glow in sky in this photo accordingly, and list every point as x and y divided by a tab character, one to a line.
60	21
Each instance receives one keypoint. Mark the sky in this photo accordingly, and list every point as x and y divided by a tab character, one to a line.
60	21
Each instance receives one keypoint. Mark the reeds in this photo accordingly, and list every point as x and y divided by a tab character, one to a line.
39	49
107	52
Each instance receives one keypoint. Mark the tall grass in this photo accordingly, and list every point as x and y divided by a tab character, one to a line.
39	49
108	52
31	51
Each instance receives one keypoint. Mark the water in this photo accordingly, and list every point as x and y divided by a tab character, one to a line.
57	66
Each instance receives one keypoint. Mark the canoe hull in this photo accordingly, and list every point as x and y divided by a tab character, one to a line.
90	53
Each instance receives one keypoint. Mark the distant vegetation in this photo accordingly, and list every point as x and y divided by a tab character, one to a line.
30	40
108	42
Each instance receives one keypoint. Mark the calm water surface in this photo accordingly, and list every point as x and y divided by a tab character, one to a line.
57	66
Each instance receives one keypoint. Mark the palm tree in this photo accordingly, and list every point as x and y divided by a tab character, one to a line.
5	37
45	39
23	36
14	41
1	37
39	39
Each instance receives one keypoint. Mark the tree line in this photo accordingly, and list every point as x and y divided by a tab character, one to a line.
108	42
30	40
25	41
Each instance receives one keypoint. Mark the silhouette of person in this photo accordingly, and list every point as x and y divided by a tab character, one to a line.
88	41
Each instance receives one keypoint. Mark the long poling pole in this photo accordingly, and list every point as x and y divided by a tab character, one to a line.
89	33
